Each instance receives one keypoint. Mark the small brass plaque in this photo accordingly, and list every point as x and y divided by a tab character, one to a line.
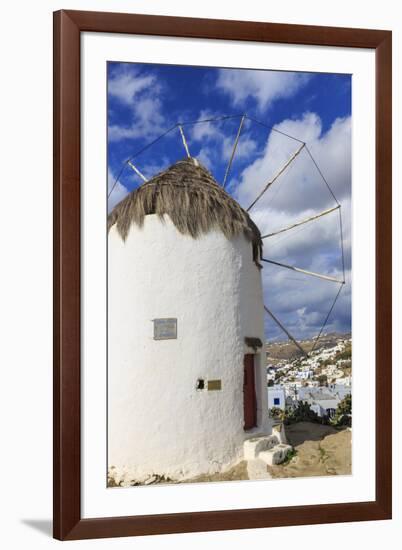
214	384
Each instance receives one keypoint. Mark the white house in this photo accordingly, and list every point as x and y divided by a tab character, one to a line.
324	407
276	397
345	380
324	401
186	367
304	374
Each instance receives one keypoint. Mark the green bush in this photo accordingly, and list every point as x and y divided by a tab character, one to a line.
343	413
302	413
276	413
323	380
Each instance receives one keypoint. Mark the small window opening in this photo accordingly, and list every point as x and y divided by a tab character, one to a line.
200	384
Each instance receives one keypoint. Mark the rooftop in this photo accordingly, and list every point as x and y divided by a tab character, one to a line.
188	193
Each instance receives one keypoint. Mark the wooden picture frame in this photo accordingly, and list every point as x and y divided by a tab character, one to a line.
68	25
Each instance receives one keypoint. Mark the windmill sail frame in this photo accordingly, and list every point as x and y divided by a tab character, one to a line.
303	146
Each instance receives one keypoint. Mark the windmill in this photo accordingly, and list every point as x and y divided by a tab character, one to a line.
295	167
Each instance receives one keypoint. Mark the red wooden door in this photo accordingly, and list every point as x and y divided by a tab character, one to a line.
249	397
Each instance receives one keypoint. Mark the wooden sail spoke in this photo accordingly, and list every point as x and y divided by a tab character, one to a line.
306	220
285	330
133	167
284	167
183	137
305	271
326	318
233	151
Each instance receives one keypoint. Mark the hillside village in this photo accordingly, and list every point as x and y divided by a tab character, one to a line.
322	380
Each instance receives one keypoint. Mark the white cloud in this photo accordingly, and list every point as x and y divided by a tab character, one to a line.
300	187
126	84
245	147
217	145
205	156
300	301
205	130
263	86
147	121
141	94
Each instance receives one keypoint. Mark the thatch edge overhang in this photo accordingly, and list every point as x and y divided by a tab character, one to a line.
194	201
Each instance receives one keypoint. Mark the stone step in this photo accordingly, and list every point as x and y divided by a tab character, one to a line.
255	445
275	455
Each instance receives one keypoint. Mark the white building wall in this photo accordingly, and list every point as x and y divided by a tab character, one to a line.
158	423
276	392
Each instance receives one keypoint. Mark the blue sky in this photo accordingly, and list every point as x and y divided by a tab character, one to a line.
146	100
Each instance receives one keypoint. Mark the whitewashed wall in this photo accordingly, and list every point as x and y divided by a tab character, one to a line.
158	422
276	392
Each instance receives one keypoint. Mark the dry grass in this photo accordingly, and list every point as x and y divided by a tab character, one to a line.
320	451
193	200
237	472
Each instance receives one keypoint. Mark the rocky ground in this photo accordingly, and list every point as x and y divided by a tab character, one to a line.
237	472
320	451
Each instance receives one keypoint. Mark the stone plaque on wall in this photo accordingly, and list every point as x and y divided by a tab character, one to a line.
165	329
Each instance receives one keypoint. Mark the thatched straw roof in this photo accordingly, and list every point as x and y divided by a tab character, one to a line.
193	200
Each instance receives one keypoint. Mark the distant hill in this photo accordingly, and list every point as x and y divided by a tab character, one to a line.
279	351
